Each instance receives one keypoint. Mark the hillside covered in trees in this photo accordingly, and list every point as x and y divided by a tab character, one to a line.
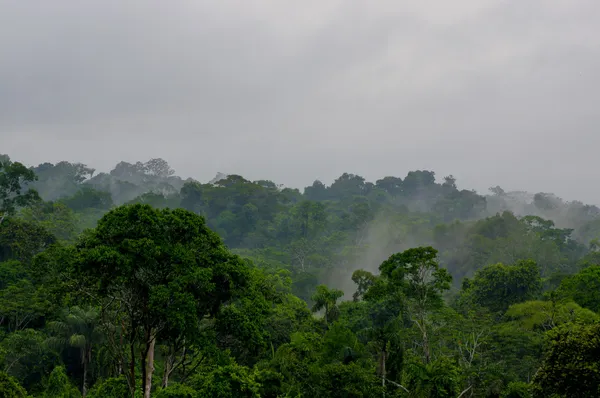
138	283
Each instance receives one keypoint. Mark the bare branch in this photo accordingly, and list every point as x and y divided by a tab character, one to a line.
399	385
464	391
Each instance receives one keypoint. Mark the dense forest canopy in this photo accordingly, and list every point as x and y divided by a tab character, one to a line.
137	282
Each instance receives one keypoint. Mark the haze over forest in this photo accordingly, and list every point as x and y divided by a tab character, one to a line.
494	92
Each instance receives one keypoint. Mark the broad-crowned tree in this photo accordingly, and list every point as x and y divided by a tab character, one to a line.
12	177
165	270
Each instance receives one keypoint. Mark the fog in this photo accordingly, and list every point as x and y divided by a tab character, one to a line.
495	92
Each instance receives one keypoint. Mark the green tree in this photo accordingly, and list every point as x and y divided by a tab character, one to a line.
12	177
165	270
230	381
176	391
498	286
571	365
416	272
364	280
58	385
326	299
78	328
583	288
89	198
10	388
114	387
56	218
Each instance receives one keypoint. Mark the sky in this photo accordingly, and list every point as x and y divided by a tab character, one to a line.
495	92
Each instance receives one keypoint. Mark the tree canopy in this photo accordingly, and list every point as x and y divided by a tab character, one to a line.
138	283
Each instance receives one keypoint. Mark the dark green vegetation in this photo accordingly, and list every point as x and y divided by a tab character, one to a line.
137	283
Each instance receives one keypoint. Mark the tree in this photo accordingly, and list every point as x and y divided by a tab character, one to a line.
10	388
364	280
498	286
192	197
164	269
317	191
391	185
22	240
56	218
61	179
59	386
583	288
78	328
89	198
418	275
12	177
227	382
326	299
571	364
159	168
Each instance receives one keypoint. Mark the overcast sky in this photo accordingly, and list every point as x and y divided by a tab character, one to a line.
495	92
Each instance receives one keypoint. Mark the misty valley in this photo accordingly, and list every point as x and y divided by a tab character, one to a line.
139	283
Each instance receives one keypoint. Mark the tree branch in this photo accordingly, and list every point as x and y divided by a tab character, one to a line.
399	385
464	391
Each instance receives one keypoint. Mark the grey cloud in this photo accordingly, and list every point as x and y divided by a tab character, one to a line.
492	91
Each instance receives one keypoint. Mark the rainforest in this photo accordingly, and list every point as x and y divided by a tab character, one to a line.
136	283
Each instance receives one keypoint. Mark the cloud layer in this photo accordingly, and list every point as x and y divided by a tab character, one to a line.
494	91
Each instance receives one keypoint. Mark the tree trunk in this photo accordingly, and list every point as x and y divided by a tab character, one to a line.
382	369
85	366
169	361
132	367
426	345
165	379
149	366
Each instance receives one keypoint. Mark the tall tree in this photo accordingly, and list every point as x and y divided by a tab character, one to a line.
166	271
12	176
417	272
326	299
77	328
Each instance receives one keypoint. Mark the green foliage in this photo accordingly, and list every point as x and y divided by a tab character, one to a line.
213	289
230	381
164	269
10	388
13	175
22	240
115	387
439	378
583	288
58	219
89	198
545	315
24	355
517	389
59	180
341	381
571	365
176	390
498	286
326	299
59	386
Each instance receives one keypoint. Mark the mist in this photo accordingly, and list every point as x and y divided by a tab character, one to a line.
494	92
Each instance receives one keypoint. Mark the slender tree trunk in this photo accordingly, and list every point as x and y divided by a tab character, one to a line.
169	361
85	366
149	366
132	367
421	325
426	345
382	369
121	353
87	358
